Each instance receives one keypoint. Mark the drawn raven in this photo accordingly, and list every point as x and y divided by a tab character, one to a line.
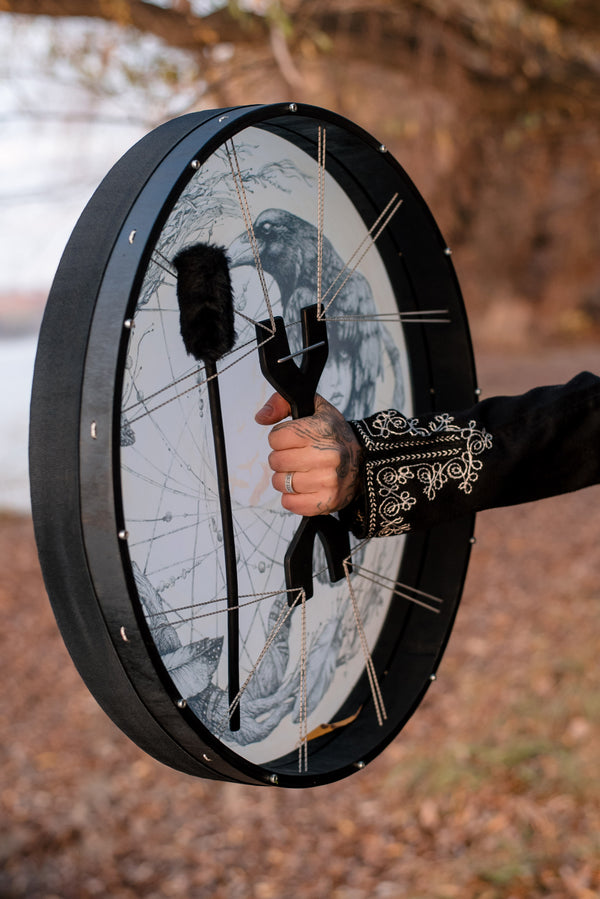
287	246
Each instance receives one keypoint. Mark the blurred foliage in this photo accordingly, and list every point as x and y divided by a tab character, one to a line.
493	108
537	39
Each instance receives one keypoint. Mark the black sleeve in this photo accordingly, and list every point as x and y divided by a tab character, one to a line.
417	472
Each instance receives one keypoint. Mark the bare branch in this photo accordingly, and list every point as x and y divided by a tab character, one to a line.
504	43
176	26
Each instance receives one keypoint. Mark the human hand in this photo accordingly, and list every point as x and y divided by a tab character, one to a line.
320	452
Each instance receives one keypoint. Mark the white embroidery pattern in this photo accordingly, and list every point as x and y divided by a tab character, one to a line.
429	456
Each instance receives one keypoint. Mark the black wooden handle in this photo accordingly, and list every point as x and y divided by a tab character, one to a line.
233	627
298	385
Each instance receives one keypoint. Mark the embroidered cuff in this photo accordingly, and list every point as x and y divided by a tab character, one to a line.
408	465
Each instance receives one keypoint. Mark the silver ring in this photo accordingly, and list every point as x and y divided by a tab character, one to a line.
289	487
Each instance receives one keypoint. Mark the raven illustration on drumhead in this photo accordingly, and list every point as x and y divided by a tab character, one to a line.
287	247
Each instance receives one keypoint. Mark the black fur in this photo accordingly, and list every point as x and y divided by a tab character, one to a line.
205	296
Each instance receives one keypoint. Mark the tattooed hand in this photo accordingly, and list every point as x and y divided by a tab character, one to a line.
321	452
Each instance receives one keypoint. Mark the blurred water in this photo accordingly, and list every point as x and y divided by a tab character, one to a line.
17	355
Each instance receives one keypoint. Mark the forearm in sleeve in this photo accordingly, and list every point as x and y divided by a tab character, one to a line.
417	472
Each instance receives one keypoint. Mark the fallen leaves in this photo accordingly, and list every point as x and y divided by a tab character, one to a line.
491	792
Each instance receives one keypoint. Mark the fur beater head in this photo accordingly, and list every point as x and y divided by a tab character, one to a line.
205	297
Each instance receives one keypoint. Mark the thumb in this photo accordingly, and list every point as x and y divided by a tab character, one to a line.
274	410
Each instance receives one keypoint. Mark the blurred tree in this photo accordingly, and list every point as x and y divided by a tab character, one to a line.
534	41
494	108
